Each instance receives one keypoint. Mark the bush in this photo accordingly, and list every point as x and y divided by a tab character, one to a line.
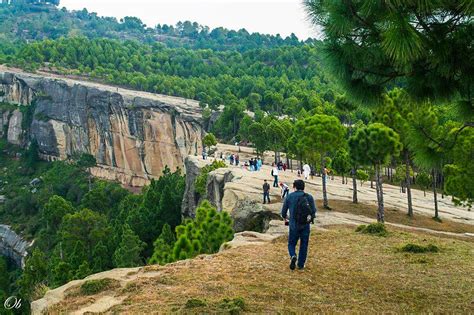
95	286
233	306
377	229
192	303
201	180
417	249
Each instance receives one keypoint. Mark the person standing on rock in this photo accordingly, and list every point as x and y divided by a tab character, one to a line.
302	212
275	175
266	191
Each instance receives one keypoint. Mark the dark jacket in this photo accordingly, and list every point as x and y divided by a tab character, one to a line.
290	204
266	187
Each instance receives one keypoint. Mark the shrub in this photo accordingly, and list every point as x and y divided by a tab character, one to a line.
201	180
95	286
377	229
192	303
417	249
233	306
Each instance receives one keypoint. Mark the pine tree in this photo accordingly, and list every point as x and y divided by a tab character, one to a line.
374	145
35	272
372	45
318	136
128	252
205	234
163	246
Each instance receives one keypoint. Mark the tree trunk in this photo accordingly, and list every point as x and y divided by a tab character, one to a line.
90	179
408	184
435	196
380	212
323	176
354	187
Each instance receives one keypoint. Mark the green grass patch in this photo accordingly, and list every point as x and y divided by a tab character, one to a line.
417	249
193	303
377	229
233	306
91	287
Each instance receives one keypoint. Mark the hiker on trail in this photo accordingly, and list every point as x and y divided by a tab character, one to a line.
280	165
204	154
306	171
231	159
266	191
237	159
302	212
275	175
259	164
284	190
284	167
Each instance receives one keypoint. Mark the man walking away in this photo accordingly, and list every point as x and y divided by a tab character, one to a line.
302	212
266	191
275	175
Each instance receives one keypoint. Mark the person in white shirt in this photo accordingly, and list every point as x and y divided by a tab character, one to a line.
275	175
306	171
285	190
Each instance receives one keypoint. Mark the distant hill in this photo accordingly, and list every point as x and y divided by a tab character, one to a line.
37	20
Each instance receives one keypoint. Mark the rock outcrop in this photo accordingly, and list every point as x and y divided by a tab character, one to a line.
133	135
247	213
13	246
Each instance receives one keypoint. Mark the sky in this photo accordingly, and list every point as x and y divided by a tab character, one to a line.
263	16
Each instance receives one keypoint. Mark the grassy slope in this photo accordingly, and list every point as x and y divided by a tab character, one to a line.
346	272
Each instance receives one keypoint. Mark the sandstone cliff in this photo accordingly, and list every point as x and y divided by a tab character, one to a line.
133	135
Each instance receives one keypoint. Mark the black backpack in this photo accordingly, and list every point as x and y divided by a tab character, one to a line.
303	214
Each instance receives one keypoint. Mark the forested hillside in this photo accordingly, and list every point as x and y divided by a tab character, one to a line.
26	21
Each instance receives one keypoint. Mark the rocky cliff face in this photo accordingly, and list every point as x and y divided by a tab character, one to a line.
133	135
13	246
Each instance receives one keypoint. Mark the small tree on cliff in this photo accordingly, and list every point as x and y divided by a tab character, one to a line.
209	140
87	161
374	145
205	234
320	135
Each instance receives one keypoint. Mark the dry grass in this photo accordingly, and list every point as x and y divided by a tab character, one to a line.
346	272
396	216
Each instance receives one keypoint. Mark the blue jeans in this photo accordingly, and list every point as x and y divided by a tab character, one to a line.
275	180
301	234
266	196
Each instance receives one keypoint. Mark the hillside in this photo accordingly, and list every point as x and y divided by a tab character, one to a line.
347	272
251	273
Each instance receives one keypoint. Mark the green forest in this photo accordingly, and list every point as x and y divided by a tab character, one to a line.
389	88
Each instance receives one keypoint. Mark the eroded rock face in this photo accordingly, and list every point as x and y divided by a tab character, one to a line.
13	246
133	135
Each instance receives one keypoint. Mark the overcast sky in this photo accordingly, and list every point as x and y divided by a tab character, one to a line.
263	16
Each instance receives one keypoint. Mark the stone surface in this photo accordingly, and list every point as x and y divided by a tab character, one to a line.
13	246
133	135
